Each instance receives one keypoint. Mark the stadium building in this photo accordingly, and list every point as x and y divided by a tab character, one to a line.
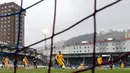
82	53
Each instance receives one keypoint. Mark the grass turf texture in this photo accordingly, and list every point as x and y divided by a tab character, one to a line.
67	71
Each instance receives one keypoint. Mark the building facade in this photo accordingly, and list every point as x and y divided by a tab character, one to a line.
82	53
9	24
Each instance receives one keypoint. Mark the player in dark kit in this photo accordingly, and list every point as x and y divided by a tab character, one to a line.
111	65
35	62
3	63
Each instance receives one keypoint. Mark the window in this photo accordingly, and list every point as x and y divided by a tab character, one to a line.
9	9
116	48
120	47
5	7
8	33
74	51
12	5
97	45
4	29
124	47
84	50
77	51
8	17
84	47
8	25
4	22
4	26
5	10
4	33
80	47
77	47
113	48
8	21
74	47
1	26
80	51
1	18
88	46
5	18
16	22
1	22
1	11
8	29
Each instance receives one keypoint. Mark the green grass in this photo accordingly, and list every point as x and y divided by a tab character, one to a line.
60	71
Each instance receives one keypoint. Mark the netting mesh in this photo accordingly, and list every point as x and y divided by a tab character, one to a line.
19	13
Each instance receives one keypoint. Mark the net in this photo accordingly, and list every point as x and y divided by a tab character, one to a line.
18	50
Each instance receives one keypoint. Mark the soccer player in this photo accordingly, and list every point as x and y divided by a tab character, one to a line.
3	64
25	62
35	62
81	66
122	65
60	60
6	62
111	65
99	61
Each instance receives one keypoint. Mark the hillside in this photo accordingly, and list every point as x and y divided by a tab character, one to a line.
100	36
89	37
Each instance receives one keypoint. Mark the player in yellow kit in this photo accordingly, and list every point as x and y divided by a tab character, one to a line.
6	62
25	62
81	66
122	65
60	60
99	61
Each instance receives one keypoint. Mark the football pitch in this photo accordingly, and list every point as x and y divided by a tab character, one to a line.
60	71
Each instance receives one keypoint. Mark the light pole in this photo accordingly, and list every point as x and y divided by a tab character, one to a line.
45	32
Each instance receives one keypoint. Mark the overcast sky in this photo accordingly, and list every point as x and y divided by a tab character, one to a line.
40	16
